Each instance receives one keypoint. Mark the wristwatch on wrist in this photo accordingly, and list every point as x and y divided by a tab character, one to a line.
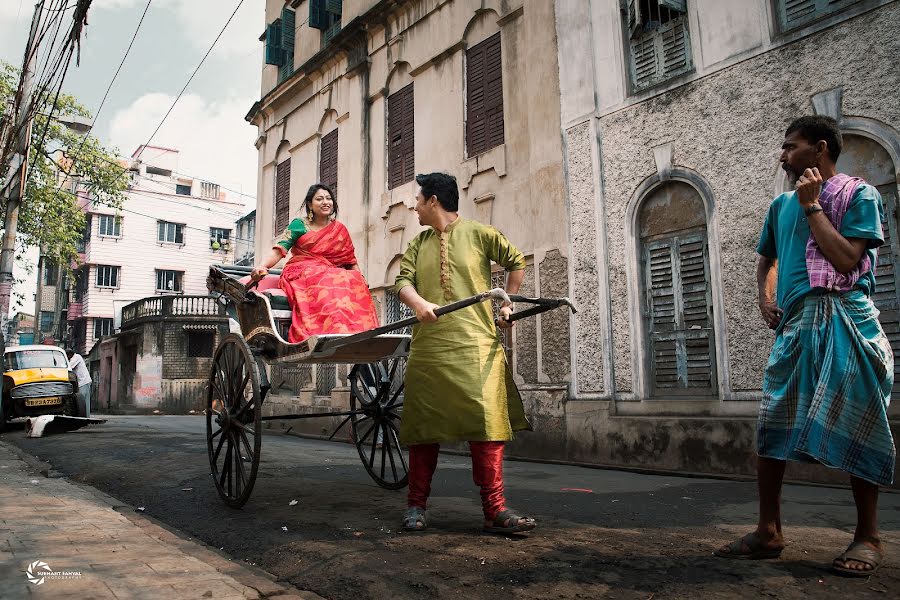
812	208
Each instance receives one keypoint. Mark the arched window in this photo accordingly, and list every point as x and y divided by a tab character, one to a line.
676	299
866	158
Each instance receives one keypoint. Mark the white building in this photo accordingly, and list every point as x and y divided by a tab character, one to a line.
162	241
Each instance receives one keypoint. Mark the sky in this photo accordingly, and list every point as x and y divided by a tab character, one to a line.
207	124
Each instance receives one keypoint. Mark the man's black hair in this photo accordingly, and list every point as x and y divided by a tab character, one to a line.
307	202
443	186
816	128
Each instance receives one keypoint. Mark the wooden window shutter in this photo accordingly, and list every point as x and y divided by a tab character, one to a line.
633	20
675	5
675	48
679	315
282	196
887	296
401	137
796	13
274	52
484	96
328	160
318	16
644	62
288	26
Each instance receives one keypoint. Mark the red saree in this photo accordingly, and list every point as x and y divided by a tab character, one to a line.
324	296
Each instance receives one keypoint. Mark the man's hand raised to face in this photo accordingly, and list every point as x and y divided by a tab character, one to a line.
809	186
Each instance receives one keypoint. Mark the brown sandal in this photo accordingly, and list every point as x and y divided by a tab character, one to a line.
508	522
861	553
757	550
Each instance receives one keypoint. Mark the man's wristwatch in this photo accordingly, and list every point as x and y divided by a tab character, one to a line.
812	208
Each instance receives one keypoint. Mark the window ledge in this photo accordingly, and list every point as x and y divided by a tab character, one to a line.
495	159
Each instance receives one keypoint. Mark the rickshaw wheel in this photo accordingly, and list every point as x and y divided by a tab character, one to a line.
376	390
234	420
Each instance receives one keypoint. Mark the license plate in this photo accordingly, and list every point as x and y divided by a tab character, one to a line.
43	401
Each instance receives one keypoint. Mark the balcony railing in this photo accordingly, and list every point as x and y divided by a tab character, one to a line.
169	307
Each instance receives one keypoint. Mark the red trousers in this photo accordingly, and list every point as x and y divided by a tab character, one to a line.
487	471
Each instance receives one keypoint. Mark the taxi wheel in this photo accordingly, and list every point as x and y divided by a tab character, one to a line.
70	407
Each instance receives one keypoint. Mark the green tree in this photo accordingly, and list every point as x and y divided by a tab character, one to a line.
50	216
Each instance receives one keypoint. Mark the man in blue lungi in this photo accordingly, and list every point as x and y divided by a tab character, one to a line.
828	380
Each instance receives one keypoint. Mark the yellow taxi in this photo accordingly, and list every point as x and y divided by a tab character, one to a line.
36	381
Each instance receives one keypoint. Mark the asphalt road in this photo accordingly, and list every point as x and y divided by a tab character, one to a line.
601	533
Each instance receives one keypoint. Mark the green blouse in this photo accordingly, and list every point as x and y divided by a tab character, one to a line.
289	236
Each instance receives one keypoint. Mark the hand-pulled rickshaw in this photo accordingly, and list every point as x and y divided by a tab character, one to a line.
239	383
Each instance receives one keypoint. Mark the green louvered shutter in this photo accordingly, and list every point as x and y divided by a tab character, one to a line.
797	13
887	296
679	316
274	52
318	16
288	26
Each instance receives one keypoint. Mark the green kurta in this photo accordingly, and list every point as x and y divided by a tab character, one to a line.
458	386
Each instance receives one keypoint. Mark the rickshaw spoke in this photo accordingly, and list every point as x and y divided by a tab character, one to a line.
243	408
226	468
384	448
218	448
396	439
372	452
394	398
247	444
213	436
386	444
368	433
239	463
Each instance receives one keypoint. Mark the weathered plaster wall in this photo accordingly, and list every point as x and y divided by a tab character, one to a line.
580	142
728	127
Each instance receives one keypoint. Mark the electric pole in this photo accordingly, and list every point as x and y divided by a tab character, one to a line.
18	124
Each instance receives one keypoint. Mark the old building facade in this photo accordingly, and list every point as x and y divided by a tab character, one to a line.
391	89
170	228
672	126
630	151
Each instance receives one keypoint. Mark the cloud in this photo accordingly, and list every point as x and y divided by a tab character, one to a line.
201	21
213	140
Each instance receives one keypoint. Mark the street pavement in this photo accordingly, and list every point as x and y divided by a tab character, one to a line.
318	523
60	539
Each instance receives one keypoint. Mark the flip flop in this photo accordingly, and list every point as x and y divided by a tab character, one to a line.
860	552
414	519
758	550
516	524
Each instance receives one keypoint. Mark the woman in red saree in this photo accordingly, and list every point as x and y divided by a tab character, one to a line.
326	291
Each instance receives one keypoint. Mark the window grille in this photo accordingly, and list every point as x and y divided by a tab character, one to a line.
107	276
170	233
200	343
168	281
102	328
396	311
219	238
659	40
46	321
110	225
51	272
326	379
498	280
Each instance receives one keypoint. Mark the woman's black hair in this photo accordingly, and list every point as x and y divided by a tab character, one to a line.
307	202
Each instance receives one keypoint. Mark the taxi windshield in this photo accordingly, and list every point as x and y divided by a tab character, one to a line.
34	359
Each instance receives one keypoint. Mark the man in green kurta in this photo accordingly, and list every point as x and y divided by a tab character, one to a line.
458	386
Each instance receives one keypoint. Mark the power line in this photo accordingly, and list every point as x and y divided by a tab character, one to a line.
106	94
177	98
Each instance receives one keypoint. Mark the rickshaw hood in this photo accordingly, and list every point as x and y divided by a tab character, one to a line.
22	376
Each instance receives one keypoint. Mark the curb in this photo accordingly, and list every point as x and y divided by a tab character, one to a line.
265	583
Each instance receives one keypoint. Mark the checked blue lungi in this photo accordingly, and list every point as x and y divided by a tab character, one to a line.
827	388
